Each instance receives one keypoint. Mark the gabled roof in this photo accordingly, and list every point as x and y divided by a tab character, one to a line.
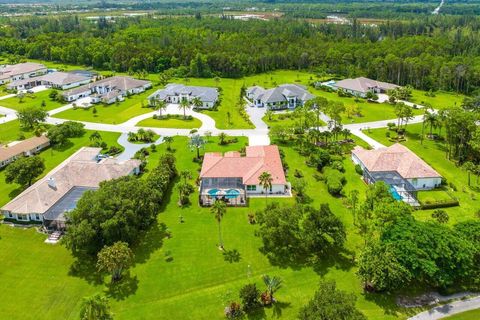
395	158
80	170
280	93
363	84
63	78
21	68
258	159
22	147
205	94
118	82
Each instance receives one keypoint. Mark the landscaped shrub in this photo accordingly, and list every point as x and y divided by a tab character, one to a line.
334	181
319	159
338	165
358	169
250	296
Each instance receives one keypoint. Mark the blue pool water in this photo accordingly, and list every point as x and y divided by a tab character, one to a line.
232	193
213	192
395	194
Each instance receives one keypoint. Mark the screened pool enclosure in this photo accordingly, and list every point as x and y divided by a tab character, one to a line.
229	190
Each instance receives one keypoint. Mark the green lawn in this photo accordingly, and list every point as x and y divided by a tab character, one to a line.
441	100
134	105
52	157
468	315
198	283
171	123
32	100
432	196
433	152
286	119
11	131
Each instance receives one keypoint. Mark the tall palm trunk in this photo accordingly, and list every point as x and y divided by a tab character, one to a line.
220	240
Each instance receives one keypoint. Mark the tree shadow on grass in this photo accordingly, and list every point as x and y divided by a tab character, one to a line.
384	301
12	194
278	308
256	314
63	147
341	260
120	290
151	241
84	267
232	256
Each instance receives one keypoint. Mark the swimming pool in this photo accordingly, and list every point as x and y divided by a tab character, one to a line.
213	192
395	194
232	193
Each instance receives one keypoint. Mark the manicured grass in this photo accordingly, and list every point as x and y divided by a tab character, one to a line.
433	152
11	131
286	119
134	105
53	157
198	282
171	123
432	196
468	315
32	100
441	100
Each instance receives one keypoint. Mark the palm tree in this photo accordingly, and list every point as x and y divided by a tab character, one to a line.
95	136
184	105
469	167
196	142
432	120
265	180
95	308
185	174
196	102
219	209
168	140
132	136
223	137
273	284
159	105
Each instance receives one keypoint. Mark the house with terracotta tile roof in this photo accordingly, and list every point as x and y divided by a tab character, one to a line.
25	148
47	200
232	177
399	167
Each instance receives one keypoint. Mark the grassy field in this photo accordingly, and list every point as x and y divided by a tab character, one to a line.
134	105
32	100
433	152
52	157
441	100
11	131
468	315
198	278
171	123
286	119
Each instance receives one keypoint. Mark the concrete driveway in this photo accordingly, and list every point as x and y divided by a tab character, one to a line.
449	309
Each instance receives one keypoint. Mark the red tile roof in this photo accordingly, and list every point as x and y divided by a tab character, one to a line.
395	158
258	159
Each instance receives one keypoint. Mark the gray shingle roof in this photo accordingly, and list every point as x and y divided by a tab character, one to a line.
205	94
280	93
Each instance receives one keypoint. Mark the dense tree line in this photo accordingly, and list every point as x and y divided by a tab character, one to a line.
428	53
119	210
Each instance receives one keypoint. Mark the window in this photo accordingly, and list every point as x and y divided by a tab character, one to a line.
37	216
10	215
252	188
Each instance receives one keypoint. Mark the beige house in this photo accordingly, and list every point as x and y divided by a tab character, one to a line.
21	71
23	148
58	192
57	80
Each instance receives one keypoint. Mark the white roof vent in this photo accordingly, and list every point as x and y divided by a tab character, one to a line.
51	183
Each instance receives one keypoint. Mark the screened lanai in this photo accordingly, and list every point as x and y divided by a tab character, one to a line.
400	188
230	190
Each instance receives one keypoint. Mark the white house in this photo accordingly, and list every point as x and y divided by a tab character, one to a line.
282	97
108	90
21	71
175	93
399	167
361	86
23	148
47	200
233	178
57	80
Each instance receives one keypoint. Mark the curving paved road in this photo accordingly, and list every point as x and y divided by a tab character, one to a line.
449	309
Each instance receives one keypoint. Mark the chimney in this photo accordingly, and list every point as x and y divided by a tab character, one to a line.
51	183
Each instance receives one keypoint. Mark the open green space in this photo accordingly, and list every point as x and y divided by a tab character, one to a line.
467	315
52	156
441	99
434	153
32	100
178	123
198	278
286	119
114	113
11	131
431	196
